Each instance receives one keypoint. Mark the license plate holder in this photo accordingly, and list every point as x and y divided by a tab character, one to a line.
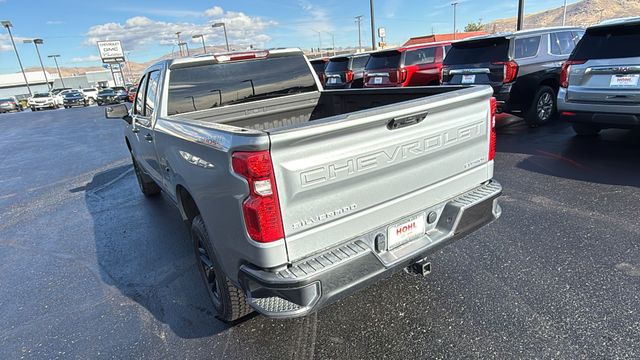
624	80
406	230
377	80
468	79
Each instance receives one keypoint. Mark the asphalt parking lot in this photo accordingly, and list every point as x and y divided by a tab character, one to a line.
89	268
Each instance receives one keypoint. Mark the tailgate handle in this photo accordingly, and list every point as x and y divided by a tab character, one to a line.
400	122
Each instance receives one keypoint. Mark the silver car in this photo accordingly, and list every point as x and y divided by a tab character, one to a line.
599	83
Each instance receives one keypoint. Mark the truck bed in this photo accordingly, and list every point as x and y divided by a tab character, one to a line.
299	110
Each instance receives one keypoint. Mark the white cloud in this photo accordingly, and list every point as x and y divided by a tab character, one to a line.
141	32
5	41
90	58
55	22
214	11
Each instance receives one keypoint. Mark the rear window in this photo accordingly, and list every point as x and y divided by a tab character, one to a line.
336	65
526	47
609	43
213	85
359	62
420	56
383	60
318	66
41	95
478	51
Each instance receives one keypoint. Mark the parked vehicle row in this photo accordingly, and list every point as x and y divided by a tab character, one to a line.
67	98
10	104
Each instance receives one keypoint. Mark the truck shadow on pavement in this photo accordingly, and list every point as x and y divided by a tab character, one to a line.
143	249
609	158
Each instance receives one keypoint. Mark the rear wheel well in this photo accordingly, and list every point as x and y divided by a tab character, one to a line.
552	83
188	206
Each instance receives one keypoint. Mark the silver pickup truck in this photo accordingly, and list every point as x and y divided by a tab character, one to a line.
296	196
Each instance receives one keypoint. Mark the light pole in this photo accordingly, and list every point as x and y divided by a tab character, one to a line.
520	15
201	36
7	24
186	46
179	43
455	7
373	26
224	27
359	22
319	41
57	67
37	42
333	43
564	13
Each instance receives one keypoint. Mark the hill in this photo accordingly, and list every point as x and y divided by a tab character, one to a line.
582	13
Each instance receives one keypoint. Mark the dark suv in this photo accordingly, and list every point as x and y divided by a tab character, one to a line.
345	72
600	83
522	67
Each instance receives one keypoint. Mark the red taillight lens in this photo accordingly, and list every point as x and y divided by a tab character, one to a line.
510	71
566	68
492	137
261	208
348	76
403	75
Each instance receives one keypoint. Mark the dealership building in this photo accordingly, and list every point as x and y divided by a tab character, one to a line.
14	85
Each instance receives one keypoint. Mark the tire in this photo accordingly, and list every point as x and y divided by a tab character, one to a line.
85	103
543	109
91	101
229	301
586	129
33	109
148	187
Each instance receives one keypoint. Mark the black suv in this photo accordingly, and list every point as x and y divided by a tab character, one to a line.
522	67
345	72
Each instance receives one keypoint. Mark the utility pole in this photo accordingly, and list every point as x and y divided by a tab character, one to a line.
179	43
455	6
319	41
359	22
7	24
564	14
373	26
520	15
333	43
37	42
57	67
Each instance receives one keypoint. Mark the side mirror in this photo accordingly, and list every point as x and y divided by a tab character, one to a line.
119	111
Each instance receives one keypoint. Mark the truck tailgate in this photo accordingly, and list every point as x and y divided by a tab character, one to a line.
339	178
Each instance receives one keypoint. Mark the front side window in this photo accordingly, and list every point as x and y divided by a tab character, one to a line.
150	102
137	108
420	56
526	47
562	43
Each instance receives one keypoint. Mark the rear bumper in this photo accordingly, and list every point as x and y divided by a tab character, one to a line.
323	278
605	115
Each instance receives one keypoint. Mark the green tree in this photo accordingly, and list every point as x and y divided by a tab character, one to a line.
474	26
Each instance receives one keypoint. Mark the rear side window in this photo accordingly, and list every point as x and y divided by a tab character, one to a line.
384	60
152	93
359	62
478	51
526	47
420	56
563	43
208	86
609	43
336	65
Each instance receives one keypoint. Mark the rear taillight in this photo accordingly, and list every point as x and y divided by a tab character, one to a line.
261	208
492	137
566	68
510	71
348	76
403	75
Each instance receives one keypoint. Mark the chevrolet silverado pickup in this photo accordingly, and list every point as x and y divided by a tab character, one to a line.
296	196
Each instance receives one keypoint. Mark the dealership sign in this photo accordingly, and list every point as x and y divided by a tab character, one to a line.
111	51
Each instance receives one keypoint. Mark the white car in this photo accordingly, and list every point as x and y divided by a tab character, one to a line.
90	94
42	100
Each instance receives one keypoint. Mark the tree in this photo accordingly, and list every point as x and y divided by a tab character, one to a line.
474	26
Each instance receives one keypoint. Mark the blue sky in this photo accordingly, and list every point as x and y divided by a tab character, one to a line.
70	28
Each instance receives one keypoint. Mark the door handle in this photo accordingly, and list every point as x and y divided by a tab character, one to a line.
148	137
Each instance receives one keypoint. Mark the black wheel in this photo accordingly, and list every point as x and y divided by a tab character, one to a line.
543	108
33	109
586	129
229	301
85	103
147	185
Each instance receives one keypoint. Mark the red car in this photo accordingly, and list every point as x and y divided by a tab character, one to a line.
318	66
417	65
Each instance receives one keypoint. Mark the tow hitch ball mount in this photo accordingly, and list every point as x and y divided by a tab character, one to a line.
420	267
